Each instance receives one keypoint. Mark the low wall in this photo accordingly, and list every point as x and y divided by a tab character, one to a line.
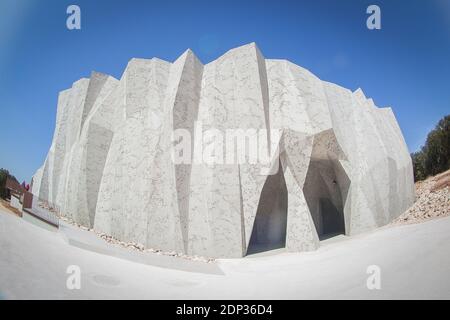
15	202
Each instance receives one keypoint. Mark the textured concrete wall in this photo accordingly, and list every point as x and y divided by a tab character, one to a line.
110	164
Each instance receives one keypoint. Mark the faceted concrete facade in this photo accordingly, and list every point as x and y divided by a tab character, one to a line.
343	164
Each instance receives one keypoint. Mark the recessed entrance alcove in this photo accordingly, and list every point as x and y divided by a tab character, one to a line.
269	228
325	191
326	186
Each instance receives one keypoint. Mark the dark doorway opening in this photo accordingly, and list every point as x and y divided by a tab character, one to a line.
323	193
269	228
332	220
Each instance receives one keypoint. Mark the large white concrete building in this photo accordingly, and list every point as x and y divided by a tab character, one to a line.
343	164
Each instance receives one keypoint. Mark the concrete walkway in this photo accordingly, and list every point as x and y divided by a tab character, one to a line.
90	241
414	261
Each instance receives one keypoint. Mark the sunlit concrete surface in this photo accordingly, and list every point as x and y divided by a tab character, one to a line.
414	261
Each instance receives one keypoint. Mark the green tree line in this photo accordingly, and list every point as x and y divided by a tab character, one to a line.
434	156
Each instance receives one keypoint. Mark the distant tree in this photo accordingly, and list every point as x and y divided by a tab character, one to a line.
434	156
438	148
3	176
418	162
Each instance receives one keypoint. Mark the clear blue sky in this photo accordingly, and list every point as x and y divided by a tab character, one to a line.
405	65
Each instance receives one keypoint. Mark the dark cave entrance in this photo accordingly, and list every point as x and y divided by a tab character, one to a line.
325	188
269	228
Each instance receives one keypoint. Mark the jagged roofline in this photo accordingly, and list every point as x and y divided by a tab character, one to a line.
251	44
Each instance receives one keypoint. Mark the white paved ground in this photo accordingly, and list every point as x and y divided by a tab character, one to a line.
414	262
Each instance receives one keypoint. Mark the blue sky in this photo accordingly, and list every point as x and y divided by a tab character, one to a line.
405	65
